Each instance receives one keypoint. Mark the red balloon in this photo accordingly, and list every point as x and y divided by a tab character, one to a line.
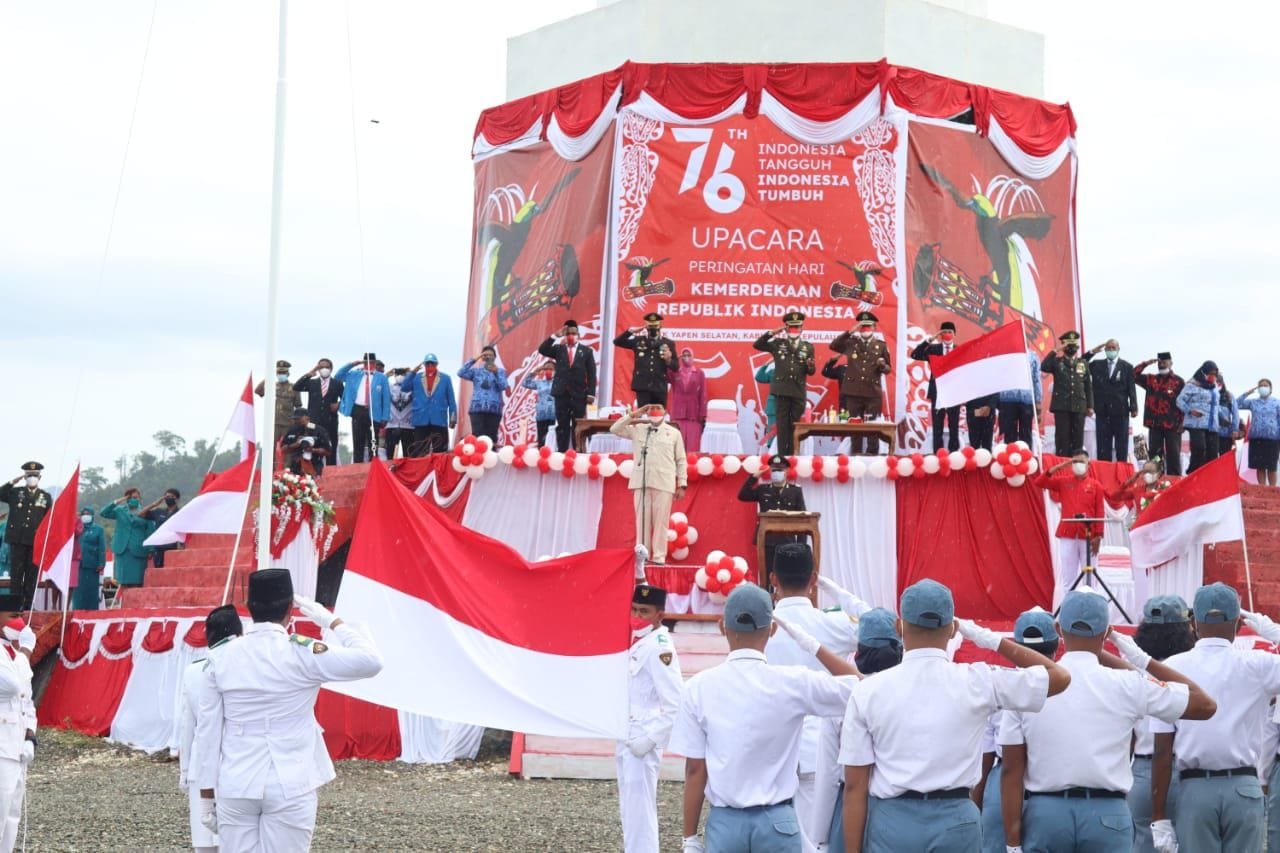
477	458
681	542
570	455
1009	470
593	473
691	458
892	473
968	452
457	449
817	475
842	475
727	588
543	465
567	472
970	464
842	461
1023	467
1002	457
945	470
713	584
738	574
791	473
594	458
917	459
717	459
517	461
726	562
717	473
692	473
918	472
544	451
941	453
764	461
680	527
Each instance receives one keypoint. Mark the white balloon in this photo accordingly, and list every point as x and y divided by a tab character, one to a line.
982	456
705	466
677	517
581	464
804	467
1015	458
717	597
906	467
830	467
607	467
751	464
878	468
625	467
1021	447
715	557
485	441
468	449
1033	466
956	461
691	536
456	463
724	576
531	457
543	558
700	578
931	464
732	465
671	535
680	554
475	472
556	461
857	467
1017	480
997	471
490	459
506	454
740	564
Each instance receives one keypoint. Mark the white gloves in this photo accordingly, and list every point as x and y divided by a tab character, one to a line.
848	602
209	814
1262	626
983	638
693	844
641	746
28	752
1017	848
315	611
807	642
1130	651
1162	836
27	639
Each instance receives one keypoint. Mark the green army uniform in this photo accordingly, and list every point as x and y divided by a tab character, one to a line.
1072	395
867	360
794	361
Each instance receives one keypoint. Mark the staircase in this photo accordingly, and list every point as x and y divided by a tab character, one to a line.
1225	562
195	576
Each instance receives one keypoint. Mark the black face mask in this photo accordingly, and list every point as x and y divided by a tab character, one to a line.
870	659
1071	349
171	501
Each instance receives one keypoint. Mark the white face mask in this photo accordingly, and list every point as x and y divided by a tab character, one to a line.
32	481
86	518
657	420
1163	371
1080	468
867	334
778	477
641	633
282	377
1149	478
1264	391
793	333
325	372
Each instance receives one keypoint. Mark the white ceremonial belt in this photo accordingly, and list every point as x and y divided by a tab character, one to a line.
262	727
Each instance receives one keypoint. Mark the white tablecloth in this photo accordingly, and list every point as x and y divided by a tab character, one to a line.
303	562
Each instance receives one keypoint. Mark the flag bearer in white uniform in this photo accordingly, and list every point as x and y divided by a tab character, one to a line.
739	729
258	745
1220	805
1165	631
793	580
655	688
17	718
1034	629
221	626
1072	758
911	738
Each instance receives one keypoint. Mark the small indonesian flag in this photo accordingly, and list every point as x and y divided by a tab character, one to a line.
219	508
242	424
531	647
55	537
992	363
1201	508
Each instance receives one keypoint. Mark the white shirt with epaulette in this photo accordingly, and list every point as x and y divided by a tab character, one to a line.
655	686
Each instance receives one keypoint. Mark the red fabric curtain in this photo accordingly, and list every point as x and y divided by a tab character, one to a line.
411	473
354	728
195	636
1038	127
119	638
86	698
985	540
927	94
75	644
160	636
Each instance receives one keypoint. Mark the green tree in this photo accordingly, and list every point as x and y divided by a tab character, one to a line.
92	479
168	442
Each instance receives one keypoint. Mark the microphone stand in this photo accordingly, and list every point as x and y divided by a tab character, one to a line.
644	485
1087	572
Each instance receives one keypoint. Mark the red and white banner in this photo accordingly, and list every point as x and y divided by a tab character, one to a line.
1199	509
218	508
512	642
242	422
55	537
992	363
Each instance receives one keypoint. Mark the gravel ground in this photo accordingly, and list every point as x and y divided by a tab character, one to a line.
86	794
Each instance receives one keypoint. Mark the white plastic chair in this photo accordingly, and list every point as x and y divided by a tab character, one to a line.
721	432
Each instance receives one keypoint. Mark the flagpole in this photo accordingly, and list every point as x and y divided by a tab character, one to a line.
267	452
235	549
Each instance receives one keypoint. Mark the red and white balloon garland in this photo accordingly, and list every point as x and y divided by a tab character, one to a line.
720	575
681	535
1012	463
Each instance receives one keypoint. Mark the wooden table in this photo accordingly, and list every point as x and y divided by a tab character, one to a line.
788	524
879	429
584	428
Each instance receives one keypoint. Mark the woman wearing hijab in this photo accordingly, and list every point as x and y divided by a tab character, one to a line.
1227	422
689	401
1198	402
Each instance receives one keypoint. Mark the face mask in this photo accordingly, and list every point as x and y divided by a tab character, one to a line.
794	333
1149	478
87	518
134	503
32	481
1079	468
1211	378
686	360
325	373
547	374
1112	354
1071	349
282	377
1163	371
867	334
1264	391
430	369
170	501
778	477
640	627
872	659
570	339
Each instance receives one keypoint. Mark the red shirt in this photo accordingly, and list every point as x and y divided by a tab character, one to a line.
1077	496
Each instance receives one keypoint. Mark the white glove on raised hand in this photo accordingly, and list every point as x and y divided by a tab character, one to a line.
641	746
27	640
209	814
693	844
807	642
983	638
1130	651
315	611
28	752
1262	625
849	602
1162	837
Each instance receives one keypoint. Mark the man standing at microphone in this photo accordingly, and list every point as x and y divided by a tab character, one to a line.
658	475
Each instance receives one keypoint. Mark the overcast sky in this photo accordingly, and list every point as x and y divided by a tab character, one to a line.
1178	187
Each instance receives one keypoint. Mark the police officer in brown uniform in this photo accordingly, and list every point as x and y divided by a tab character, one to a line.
1072	394
655	354
286	399
793	362
868	360
27	505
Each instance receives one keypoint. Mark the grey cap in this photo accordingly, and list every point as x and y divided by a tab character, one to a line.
877	628
1165	610
1038	622
1084	613
748	608
927	604
1216	602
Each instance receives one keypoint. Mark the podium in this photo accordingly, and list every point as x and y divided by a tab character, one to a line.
787	523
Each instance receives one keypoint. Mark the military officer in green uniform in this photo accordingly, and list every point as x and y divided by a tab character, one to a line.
286	399
868	360
793	361
655	355
1072	394
27	505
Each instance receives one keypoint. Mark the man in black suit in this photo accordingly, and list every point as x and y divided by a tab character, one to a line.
324	395
1115	401
776	493
573	385
940	344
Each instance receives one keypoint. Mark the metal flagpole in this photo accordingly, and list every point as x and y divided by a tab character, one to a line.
1248	575
235	549
273	287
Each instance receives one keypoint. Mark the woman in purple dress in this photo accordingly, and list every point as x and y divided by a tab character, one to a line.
688	408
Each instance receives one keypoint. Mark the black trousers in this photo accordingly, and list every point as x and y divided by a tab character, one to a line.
568	410
543	428
485	423
952	418
157	556
361	435
1113	437
789	410
867	408
652	398
1016	423
1200	440
329	420
982	429
22	573
401	437
1167	444
429	439
1068	433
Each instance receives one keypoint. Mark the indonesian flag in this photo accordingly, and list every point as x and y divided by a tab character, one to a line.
242	424
987	365
55	537
219	508
472	632
1199	509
